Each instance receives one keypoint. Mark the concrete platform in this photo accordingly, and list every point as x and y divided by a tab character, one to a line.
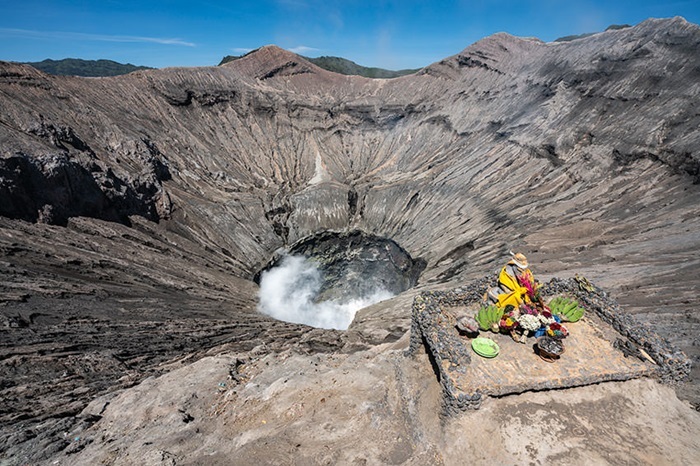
591	355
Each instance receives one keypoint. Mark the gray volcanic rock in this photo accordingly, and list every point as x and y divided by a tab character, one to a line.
54	188
285	408
176	186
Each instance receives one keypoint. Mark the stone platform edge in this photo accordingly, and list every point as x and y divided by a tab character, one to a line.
446	349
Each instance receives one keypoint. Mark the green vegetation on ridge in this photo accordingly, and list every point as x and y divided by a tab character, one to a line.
86	68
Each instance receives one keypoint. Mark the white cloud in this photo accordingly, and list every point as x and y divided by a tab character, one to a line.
91	37
301	49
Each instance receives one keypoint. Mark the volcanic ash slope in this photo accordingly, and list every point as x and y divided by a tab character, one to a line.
375	407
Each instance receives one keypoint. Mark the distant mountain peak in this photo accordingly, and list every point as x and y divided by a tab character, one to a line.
270	61
329	63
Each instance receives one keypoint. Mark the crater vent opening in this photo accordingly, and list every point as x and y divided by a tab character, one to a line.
324	279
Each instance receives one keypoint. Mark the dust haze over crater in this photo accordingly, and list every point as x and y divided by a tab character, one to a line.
137	210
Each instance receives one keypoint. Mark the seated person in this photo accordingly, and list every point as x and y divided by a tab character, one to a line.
510	289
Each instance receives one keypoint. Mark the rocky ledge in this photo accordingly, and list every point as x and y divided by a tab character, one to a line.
599	358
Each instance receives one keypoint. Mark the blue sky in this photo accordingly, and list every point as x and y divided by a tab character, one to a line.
391	34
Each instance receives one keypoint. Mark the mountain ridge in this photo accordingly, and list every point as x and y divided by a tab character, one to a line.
341	66
108	68
85	68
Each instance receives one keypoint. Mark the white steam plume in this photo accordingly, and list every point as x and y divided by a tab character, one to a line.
287	293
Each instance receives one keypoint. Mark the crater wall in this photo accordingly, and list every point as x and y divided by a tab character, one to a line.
181	183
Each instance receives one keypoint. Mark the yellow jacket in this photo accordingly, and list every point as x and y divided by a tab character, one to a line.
515	294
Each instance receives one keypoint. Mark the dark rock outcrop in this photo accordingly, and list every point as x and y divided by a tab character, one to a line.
346	260
53	189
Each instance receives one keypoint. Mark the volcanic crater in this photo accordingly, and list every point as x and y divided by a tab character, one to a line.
136	212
